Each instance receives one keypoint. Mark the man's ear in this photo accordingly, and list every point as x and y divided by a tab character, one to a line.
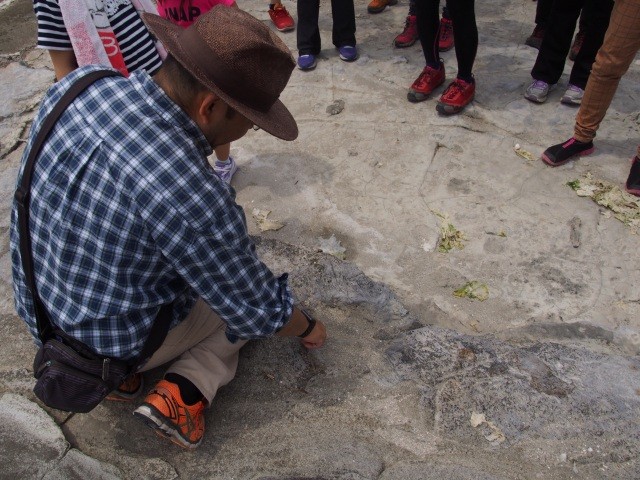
205	105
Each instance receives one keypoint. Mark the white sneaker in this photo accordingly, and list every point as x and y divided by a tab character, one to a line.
225	170
573	95
538	90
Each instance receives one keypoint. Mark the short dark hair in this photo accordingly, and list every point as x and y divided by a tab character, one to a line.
184	85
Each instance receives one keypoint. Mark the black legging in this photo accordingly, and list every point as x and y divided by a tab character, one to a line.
465	32
412	10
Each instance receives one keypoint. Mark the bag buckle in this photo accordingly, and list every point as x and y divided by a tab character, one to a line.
105	368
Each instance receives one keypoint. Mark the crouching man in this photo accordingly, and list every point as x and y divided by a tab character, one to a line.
126	216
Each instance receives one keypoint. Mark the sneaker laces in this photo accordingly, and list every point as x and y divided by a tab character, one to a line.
407	26
455	87
279	11
540	84
574	88
427	72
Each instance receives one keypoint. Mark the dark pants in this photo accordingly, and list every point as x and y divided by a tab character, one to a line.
557	40
543	11
465	32
344	25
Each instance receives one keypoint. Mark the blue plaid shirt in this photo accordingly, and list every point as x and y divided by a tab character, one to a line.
127	215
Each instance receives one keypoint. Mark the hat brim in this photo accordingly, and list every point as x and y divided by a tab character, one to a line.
278	121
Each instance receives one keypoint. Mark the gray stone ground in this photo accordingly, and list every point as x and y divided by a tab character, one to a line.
540	380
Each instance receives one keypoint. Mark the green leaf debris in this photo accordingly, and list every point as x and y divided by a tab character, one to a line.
575	185
450	236
474	290
624	206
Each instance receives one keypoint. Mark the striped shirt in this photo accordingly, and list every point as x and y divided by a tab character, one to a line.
126	215
135	41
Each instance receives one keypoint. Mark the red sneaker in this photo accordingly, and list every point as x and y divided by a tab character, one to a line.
577	45
427	81
445	38
281	18
410	33
535	39
457	96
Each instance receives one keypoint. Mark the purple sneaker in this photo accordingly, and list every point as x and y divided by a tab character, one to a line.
225	170
538	90
307	62
573	95
348	53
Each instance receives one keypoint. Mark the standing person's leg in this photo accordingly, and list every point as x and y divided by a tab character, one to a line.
205	361
224	166
344	29
308	34
621	43
543	10
554	49
428	25
465	36
432	76
465	31
410	33
598	15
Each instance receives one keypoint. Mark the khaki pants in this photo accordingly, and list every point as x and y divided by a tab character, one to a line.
203	353
621	43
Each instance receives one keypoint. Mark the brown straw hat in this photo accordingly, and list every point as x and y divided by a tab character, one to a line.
239	59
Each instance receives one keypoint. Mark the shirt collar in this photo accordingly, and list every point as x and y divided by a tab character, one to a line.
167	109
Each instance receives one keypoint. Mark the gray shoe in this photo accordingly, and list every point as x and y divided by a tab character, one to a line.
538	91
573	95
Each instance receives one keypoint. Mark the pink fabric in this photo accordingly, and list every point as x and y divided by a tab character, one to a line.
91	35
185	12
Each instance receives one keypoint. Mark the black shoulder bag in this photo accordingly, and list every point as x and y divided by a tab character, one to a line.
69	375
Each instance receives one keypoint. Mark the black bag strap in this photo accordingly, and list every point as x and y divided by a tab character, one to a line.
23	196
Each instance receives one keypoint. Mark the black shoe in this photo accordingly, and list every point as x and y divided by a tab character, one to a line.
633	181
563	152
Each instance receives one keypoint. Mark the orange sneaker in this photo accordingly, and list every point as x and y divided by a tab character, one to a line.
376	6
129	390
165	412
